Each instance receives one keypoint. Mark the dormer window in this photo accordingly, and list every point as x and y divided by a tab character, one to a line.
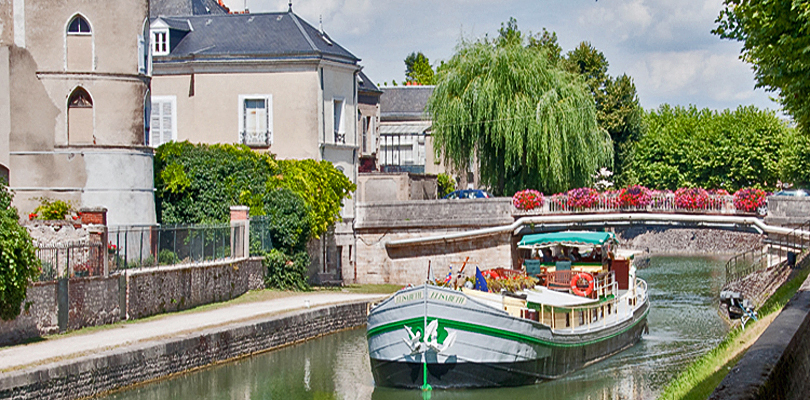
160	42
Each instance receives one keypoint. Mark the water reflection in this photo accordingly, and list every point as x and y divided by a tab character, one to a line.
683	325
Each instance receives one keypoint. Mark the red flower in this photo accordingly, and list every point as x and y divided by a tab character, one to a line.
32	216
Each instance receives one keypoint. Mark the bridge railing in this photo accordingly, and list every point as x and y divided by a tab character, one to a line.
610	202
776	250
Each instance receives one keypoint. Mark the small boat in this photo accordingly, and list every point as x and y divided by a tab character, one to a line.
580	311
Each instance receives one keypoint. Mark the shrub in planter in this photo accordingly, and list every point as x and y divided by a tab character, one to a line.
528	199
582	198
749	199
635	196
691	198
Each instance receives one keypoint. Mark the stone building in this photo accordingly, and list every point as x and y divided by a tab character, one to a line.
73	88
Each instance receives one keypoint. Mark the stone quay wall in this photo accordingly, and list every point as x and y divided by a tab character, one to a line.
70	304
159	290
777	365
378	223
115	369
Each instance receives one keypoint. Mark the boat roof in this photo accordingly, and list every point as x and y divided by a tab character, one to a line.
574	238
541	295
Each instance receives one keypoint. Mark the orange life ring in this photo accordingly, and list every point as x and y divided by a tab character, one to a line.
575	279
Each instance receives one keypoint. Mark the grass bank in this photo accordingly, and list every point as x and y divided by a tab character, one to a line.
700	378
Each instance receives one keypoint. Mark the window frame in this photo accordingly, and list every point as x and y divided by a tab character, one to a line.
81	17
268	107
158	47
162	99
340	129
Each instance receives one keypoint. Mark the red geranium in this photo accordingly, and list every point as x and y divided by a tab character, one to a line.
635	196
691	198
749	199
582	198
528	199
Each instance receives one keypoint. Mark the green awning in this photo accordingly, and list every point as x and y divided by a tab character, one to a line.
567	238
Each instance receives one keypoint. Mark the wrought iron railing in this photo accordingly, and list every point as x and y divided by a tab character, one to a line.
610	202
258	139
70	259
777	249
148	246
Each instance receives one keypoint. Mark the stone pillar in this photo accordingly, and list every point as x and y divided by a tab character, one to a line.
240	231
95	220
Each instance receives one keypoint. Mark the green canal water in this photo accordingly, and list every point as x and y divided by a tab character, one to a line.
683	325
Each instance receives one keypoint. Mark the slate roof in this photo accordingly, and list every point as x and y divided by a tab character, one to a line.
262	35
405	103
365	84
184	7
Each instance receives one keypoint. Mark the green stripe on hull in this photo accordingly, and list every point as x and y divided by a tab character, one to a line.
495	332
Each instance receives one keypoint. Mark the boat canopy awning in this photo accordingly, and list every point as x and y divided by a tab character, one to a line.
568	238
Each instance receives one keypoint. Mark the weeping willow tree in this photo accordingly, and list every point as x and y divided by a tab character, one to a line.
527	123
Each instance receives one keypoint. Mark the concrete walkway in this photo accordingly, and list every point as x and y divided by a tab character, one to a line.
62	348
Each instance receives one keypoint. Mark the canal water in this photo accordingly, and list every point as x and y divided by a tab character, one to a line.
683	324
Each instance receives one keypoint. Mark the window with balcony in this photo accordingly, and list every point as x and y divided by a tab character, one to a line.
256	120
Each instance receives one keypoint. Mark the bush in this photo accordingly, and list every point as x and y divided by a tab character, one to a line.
635	196
691	198
446	185
167	257
52	209
285	272
289	223
18	260
528	199
749	199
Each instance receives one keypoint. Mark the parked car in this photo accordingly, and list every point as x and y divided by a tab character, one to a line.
792	192
469	194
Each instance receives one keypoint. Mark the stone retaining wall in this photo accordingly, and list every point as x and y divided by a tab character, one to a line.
114	369
153	291
102	300
669	240
777	365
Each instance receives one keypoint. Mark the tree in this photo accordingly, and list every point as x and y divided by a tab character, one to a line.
775	37
18	259
528	123
732	149
418	69
617	104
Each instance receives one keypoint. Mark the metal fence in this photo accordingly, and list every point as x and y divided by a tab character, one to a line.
70	259
136	247
777	249
610	202
260	235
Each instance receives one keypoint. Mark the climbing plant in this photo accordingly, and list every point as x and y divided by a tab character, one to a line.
19	264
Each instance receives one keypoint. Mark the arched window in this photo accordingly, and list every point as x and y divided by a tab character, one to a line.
80	117
79	45
79	25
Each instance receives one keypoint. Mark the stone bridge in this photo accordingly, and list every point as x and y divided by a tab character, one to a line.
397	240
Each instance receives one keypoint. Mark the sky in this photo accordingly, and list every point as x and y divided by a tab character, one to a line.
666	46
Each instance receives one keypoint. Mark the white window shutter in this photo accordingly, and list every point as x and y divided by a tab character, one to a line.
141	55
167	122
156	130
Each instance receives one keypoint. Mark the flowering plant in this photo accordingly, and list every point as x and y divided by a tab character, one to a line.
528	199
32	216
111	248
582	198
749	199
691	198
635	196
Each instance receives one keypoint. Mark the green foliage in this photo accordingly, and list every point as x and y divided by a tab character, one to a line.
617	106
688	147
286	272
52	209
322	186
775	41
18	260
167	257
418	70
446	185
529	123
289	220
199	183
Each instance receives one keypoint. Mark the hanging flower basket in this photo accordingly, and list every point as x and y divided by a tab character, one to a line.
749	199
528	199
635	196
